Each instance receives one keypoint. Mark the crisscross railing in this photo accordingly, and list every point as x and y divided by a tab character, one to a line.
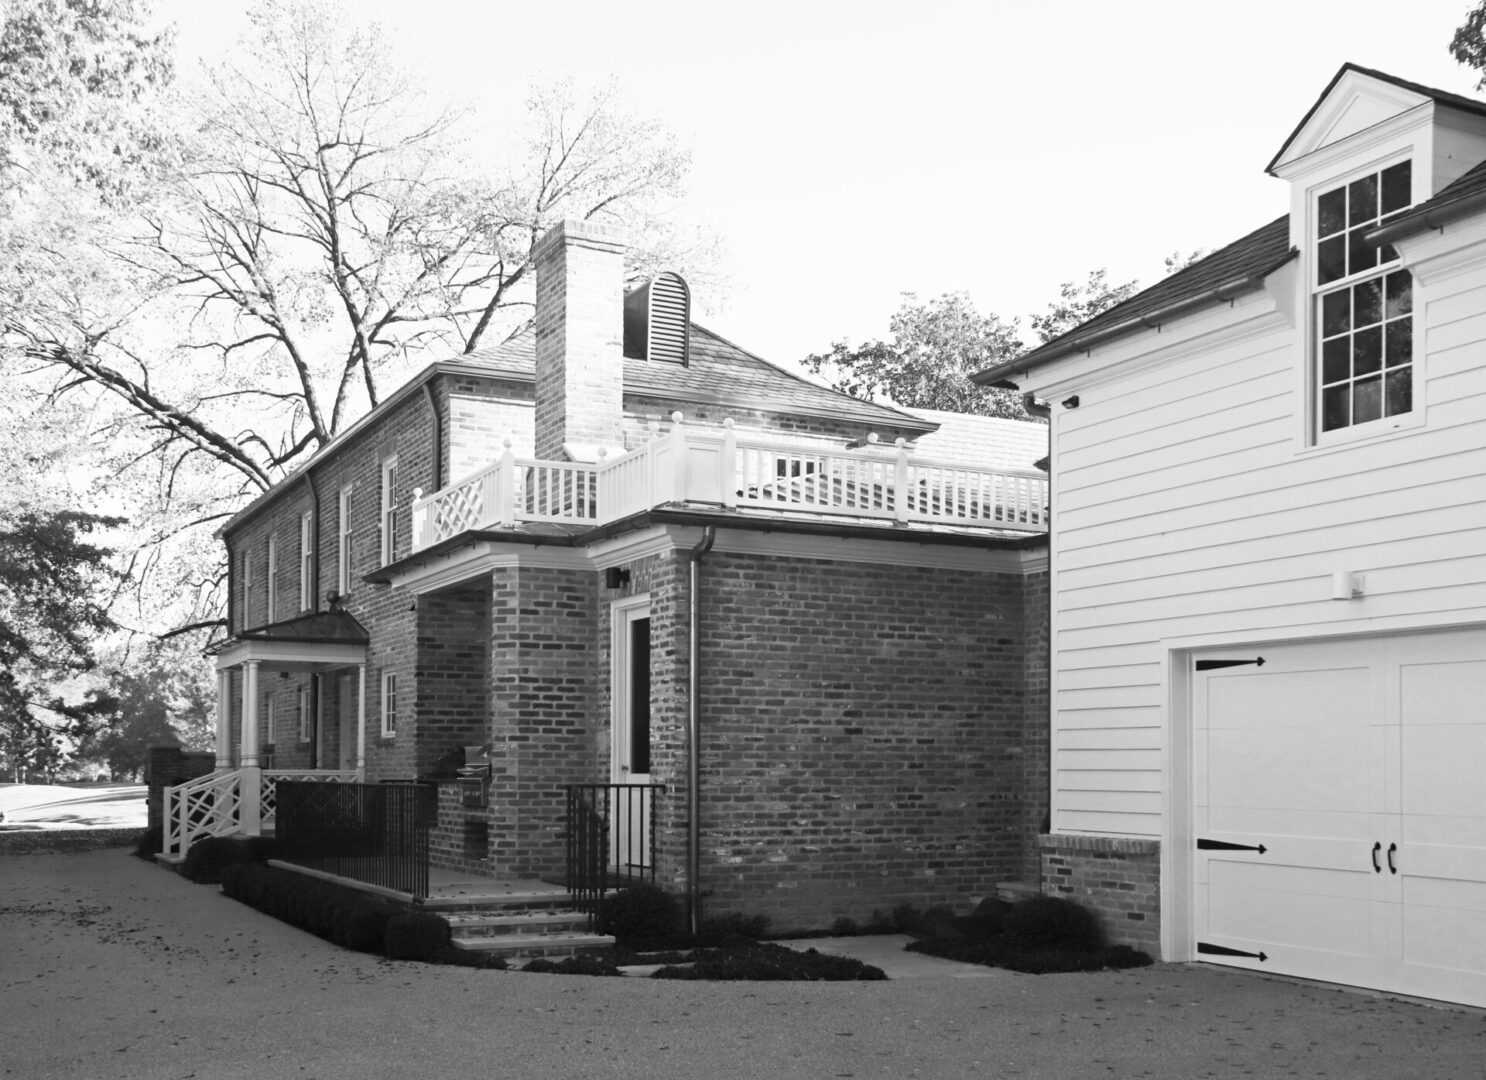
268	792
207	806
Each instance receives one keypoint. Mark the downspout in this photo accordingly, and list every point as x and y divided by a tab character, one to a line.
309	479
693	739
438	437
1029	403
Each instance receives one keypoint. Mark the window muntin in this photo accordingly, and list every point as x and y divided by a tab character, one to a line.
389	704
1364	304
305	726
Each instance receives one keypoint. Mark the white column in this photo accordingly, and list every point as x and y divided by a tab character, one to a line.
224	720
361	722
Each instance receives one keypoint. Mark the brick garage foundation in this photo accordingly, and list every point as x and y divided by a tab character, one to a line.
1118	879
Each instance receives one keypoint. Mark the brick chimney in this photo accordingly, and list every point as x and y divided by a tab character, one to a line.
580	342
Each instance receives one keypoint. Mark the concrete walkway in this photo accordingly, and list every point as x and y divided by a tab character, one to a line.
111	967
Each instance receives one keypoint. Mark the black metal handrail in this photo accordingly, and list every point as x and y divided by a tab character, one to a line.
610	839
373	833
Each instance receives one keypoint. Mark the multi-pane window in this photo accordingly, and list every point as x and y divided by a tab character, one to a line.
389	510
269	726
306	727
306	563
343	545
389	704
247	615
273	578
1364	303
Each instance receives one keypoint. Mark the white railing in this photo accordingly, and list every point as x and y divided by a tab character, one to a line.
723	469
222	804
268	791
207	806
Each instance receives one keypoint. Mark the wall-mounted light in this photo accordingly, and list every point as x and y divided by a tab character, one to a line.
1345	585
1071	403
614	577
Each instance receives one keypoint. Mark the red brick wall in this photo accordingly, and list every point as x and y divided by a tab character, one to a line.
863	733
449	686
1118	879
1036	781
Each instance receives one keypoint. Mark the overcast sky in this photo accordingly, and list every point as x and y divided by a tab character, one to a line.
848	152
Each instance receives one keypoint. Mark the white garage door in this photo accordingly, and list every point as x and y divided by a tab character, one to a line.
1340	812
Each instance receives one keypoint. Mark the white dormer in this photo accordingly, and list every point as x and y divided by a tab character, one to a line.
1370	147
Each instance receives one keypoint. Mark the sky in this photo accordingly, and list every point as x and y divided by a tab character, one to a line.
848	152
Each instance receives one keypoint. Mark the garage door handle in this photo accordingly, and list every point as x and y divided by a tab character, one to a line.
1392	850
1377	847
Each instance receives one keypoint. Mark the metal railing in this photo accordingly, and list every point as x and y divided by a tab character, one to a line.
373	833
610	839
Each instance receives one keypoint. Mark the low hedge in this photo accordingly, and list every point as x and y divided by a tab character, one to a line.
207	858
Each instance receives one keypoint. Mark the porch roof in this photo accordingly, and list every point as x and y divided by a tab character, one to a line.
315	641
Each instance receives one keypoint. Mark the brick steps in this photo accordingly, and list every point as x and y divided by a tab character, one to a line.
525	946
518	925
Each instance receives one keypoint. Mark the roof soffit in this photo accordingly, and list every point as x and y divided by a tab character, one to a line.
1356	102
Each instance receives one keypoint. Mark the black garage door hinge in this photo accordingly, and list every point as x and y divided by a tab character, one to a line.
1224	950
1209	665
1224	845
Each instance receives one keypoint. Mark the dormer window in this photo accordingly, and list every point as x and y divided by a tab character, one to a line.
1364	303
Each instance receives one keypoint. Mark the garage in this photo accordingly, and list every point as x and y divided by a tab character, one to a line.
1339	812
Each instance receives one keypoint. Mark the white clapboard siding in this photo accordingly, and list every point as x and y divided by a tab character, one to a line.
1189	507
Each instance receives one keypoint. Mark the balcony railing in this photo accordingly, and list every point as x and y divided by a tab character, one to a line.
724	469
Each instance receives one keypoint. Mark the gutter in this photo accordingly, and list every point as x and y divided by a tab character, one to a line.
1436	218
693	740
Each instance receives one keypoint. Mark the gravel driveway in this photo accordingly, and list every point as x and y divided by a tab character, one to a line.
110	967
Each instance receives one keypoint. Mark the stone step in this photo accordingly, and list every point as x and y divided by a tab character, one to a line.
499	902
474	924
519	946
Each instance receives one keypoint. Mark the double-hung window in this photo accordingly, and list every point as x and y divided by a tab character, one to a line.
343	545
306	562
306	727
389	704
1364	303
273	578
389	509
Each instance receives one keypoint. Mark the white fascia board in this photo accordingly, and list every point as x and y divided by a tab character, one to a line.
303	655
1224	323
483	557
1456	247
860	550
1359	111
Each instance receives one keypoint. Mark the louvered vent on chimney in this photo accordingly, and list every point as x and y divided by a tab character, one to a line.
657	320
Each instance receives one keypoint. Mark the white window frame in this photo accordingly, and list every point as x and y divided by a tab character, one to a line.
343	546
306	729
272	608
247	616
1315	291
270	723
306	561
388	516
389	704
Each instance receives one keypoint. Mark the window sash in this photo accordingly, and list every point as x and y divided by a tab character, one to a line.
344	549
389	510
273	577
389	704
306	563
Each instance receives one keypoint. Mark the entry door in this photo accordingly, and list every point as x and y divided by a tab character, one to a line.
1355	767
630	726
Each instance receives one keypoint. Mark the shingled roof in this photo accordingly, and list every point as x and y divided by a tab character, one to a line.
719	373
1237	268
1465	196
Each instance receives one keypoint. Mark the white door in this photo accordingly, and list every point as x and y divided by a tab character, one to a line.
1340	828
629	757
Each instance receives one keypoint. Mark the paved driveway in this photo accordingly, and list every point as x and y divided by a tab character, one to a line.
112	968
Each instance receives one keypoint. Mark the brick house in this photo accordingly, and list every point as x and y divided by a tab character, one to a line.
621	553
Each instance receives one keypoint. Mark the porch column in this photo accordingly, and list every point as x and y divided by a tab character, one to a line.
251	778
361	722
224	720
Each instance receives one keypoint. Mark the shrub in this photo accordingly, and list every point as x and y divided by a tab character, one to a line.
359	928
1051	922
641	913
149	843
845	927
773	963
416	935
572	965
731	928
206	857
347	917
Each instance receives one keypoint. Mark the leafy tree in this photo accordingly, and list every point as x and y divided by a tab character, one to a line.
1468	46
55	588
139	709
937	345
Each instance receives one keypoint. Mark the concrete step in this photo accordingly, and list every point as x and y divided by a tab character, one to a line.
525	946
503	902
469	925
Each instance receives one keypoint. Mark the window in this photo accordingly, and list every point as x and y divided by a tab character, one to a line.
389	704
343	545
306	727
306	562
273	577
268	719
247	615
1364	304
389	509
